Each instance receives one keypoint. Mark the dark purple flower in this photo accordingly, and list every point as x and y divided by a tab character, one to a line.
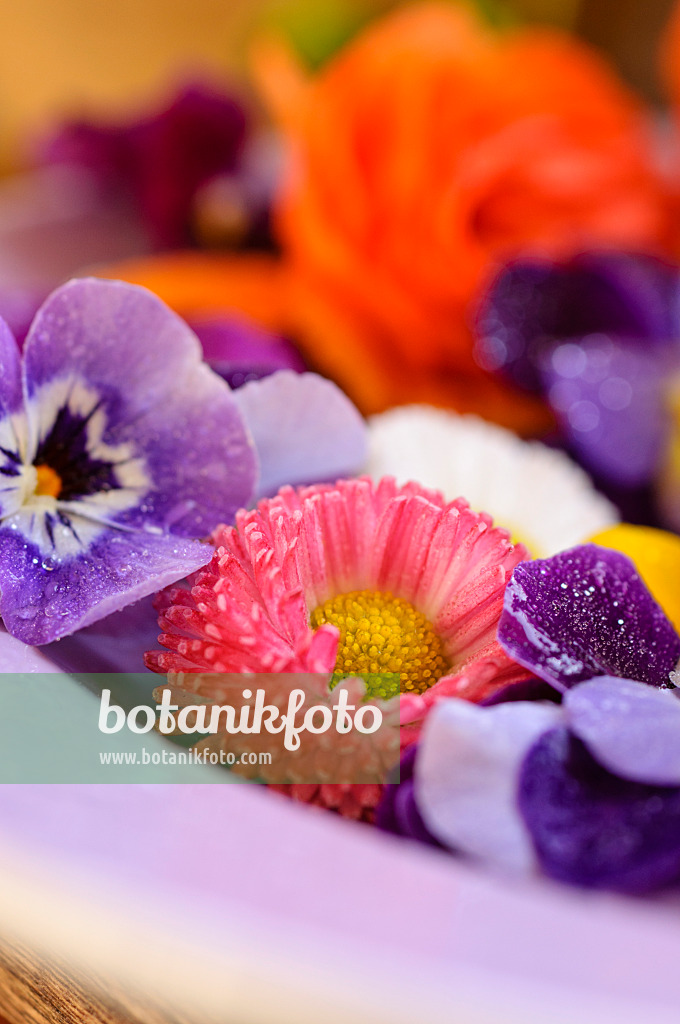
397	811
598	337
588	792
162	160
534	304
586	613
525	689
241	351
595	829
593	787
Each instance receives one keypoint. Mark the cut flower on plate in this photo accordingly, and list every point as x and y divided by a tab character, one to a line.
353	579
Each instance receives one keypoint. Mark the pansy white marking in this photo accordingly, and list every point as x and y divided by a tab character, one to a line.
64	527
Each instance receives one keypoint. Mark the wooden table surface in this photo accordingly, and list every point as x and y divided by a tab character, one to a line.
37	991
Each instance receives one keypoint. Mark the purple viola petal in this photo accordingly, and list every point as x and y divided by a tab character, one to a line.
160	161
466	777
241	351
397	811
115	356
591	828
632	729
43	599
534	303
305	430
585	613
608	397
409	817
114	644
638	297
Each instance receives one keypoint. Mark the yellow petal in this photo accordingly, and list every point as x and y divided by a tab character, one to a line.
656	555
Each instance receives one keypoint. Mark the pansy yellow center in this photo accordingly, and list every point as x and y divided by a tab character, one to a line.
49	481
383	635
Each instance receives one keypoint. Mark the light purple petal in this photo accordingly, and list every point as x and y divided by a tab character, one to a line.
466	777
592	828
608	396
632	729
42	600
241	351
305	429
585	613
159	398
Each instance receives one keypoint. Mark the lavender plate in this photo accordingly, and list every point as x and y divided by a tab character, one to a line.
231	903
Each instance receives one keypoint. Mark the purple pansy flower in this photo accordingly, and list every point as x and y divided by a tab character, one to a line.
598	336
120	450
587	791
160	162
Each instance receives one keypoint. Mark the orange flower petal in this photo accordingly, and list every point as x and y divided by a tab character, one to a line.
201	283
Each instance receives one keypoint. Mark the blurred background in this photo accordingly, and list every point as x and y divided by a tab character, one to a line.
70	57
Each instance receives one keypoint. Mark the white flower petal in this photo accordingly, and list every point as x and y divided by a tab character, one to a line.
540	495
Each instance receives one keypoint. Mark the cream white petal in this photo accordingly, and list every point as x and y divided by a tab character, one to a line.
537	493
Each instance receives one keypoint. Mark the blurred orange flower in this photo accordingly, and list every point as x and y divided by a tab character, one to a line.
427	151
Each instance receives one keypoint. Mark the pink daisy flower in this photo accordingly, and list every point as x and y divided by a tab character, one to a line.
352	579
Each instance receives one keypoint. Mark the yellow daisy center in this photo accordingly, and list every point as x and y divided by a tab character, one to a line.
383	636
49	481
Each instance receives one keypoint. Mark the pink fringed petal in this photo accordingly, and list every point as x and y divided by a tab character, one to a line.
356	802
480	678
